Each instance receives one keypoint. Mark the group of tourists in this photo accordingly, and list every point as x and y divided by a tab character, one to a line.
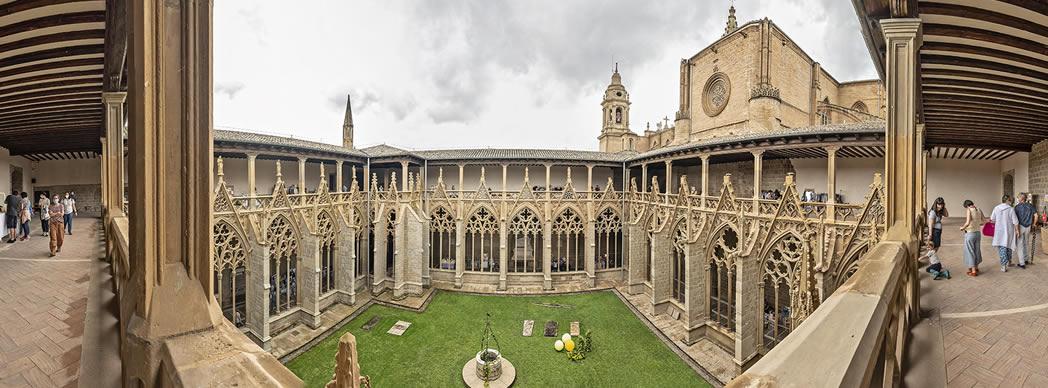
1008	225
56	217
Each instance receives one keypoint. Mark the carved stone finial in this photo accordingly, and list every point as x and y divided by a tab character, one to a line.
789	179
611	183
569	175
393	181
683	184
482	174
727	179
374	181
322	174
525	176
220	173
440	175
347	365
877	179
279	174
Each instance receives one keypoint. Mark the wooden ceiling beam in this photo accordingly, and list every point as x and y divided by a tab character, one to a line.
6	102
51	101
981	125
51	76
952	98
980	92
56	126
985	85
977	108
51	66
52	107
58	111
934	73
939	117
115	45
982	35
49	118
982	64
971	111
1038	6
67	36
25	5
54	53
53	21
983	51
14	91
963	11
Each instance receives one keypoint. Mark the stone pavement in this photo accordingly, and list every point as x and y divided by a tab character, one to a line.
994	327
42	307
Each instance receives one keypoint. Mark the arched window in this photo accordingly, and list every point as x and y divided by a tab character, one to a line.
482	242
525	242
283	266
630	144
391	241
860	106
326	233
361	238
778	278
680	243
608	232
568	242
824	116
442	240
229	273
722	278
618	115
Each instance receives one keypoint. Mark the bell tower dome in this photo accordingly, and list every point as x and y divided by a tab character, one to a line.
615	110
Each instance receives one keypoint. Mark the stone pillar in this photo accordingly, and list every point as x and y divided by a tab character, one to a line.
404	176
104	168
695	315
758	167
168	311
460	230
547	239
410	254
903	40
831	181
503	237
366	185
114	152
748	315
705	177
257	290
637	245
378	265
346	263
338	176
644	178
301	189
669	180
309	279
662	270
590	237
251	190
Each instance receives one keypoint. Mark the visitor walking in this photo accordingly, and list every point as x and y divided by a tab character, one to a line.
25	215
973	223
55	217
1025	212
43	204
935	215
1005	227
69	208
11	205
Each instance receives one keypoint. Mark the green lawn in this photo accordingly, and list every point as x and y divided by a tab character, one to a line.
432	352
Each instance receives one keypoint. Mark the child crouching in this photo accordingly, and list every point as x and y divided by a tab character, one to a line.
935	265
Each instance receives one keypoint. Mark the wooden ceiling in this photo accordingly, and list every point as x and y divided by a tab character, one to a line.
53	69
983	68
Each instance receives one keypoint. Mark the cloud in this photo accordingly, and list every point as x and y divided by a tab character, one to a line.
230	88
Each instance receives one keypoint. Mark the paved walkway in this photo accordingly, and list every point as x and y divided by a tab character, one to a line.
42	307
994	327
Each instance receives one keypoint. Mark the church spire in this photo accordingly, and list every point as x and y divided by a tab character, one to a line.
732	23
347	125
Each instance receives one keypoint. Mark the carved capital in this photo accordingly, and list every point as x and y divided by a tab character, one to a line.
764	90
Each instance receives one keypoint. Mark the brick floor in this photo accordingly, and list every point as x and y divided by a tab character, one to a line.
42	306
996	348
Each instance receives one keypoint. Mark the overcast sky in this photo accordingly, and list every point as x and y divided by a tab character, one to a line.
482	73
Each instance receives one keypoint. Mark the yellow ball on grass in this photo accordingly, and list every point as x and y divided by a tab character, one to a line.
570	345
559	345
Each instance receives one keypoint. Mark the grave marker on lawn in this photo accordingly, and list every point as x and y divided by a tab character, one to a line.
371	323
551	329
574	329
529	326
399	328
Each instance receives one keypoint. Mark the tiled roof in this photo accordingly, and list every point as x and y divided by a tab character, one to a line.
384	150
524	154
224	135
822	129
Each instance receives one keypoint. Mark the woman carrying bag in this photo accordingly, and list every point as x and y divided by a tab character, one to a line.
973	225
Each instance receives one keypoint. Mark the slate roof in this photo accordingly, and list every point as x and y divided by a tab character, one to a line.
478	154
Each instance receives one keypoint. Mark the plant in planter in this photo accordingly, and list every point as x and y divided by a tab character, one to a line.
489	360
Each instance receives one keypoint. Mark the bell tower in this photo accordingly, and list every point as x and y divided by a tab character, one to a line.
616	115
347	125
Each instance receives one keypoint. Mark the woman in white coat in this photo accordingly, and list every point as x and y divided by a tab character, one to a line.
1005	229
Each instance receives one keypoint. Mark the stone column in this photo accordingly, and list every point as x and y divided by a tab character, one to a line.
758	170
309	279
114	152
903	40
346	263
103	167
404	176
547	239
460	230
366	185
748	315
662	271
669	180
410	256
590	236
338	176
378	265
168	312
251	190
695	288
644	178
257	290
831	181
705	177
637	245
301	175
503	237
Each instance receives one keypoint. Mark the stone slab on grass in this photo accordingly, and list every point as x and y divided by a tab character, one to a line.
574	329
551	329
399	328
371	323
529	326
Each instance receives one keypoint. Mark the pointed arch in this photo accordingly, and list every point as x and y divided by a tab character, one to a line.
442	239
679	260
524	234
568	241
229	272
723	248
282	241
608	233
781	269
326	232
482	241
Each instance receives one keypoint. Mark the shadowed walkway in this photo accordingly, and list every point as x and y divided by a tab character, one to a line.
43	304
994	327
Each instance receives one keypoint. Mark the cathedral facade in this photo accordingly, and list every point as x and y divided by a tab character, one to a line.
752	80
